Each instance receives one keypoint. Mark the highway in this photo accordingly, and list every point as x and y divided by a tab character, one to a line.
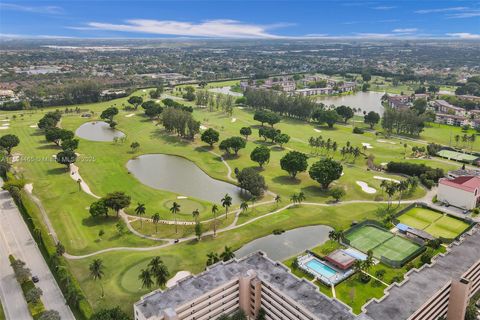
15	238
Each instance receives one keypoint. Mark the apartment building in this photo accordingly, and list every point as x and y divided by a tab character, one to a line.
247	284
441	289
444	107
451	119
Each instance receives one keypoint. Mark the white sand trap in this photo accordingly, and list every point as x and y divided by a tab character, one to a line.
28	187
202	127
5	120
129	115
383	163
16	157
365	187
342	173
385	141
182	197
144	90
5	124
367	145
180	275
241	108
384	178
33	126
316	130
75	176
54	156
4	128
234	119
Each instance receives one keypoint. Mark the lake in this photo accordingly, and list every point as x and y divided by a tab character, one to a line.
98	131
367	101
290	243
182	176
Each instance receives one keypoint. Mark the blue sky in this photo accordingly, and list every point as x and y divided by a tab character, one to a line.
241	19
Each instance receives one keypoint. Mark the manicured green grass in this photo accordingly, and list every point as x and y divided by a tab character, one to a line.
191	256
435	223
2	314
356	293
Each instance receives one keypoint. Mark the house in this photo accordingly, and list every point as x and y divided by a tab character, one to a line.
451	119
399	102
444	107
462	192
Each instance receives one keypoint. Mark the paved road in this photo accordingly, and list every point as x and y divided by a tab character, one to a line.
16	239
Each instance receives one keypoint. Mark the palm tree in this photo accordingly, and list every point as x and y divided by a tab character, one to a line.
401	188
79	182
214	212
175	209
139	211
156	220
277	200
96	271
195	214
159	271
333	235
227	254
146	277
244	206
226	203
301	197
294	198
212	258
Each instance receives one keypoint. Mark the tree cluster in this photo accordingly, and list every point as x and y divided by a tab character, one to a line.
427	175
180	122
250	180
403	122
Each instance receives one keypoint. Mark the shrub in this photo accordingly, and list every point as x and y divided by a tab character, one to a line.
397	279
380	273
358	130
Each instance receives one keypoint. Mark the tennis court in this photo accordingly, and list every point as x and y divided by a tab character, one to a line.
381	242
433	222
453	155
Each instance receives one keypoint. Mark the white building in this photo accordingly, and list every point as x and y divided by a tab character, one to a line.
462	192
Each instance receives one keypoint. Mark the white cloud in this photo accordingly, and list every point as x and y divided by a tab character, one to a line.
405	30
464	15
384	7
34	9
210	28
464	35
31	36
425	11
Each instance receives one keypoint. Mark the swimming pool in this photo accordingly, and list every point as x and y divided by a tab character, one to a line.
321	268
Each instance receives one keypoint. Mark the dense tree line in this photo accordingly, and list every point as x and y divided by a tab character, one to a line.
292	106
180	122
428	175
403	122
472	87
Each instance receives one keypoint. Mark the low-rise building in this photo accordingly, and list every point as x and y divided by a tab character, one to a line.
399	102
462	192
451	119
444	107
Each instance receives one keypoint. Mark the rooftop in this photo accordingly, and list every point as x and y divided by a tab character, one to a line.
402	301
466	183
341	258
275	274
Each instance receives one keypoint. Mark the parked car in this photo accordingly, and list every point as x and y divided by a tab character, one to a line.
35	279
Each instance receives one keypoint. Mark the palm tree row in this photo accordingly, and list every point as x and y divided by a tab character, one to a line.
156	269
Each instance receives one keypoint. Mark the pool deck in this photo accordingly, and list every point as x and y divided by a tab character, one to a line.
343	274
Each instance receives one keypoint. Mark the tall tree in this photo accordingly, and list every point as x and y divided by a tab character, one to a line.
174	209
117	201
326	171
96	272
140	211
210	136
8	142
261	155
226	203
214	212
294	162
156	220
135	101
145	277
159	271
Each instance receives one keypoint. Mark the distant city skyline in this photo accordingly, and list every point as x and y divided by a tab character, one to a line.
241	19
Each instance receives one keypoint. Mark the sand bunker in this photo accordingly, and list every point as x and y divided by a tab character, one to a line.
367	145
202	127
182	197
28	187
129	115
33	126
384	178
316	130
385	141
234	119
365	187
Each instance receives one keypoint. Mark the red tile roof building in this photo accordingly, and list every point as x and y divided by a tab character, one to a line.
462	192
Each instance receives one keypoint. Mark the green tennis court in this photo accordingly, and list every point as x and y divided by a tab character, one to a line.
381	242
433	222
456	155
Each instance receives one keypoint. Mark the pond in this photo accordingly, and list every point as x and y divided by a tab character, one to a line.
290	243
98	131
182	176
367	101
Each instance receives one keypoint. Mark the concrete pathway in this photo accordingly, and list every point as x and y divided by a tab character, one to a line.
16	239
